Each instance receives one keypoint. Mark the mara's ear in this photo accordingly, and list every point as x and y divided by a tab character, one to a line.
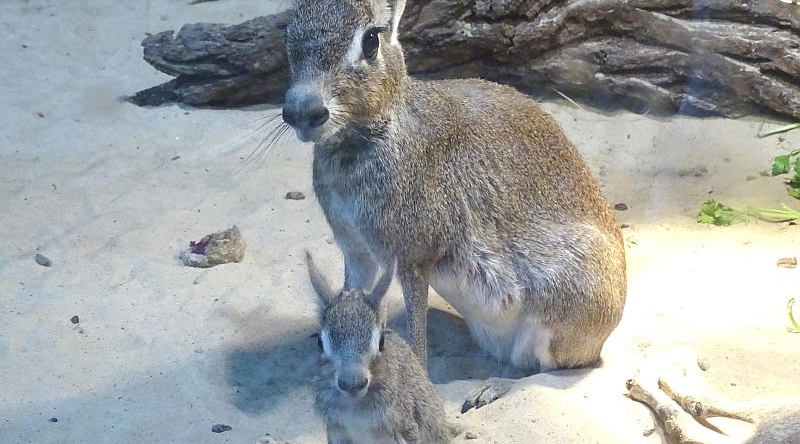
396	8
377	293
318	281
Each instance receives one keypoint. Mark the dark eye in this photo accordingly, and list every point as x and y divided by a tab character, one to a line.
370	43
380	344
319	340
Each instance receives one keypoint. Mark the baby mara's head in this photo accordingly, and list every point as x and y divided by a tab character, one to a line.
351	337
346	65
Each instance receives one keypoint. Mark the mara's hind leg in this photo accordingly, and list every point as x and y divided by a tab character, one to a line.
529	354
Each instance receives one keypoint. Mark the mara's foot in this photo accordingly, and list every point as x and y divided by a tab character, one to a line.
491	390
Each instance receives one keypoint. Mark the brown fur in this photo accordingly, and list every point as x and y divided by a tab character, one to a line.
469	185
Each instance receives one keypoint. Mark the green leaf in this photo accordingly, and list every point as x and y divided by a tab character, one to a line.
789	306
716	213
780	165
781	129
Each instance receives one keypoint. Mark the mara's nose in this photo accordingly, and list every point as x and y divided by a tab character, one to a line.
353	387
304	108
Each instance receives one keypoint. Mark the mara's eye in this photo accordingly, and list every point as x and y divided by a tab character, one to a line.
380	344
319	341
370	43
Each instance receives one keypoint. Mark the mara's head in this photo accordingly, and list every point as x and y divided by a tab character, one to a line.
352	330
346	65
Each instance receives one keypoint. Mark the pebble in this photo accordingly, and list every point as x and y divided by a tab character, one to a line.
75	319
787	262
648	432
219	428
53	419
470	435
43	260
295	195
621	207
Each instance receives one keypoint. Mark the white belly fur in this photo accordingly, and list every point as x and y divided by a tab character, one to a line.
503	330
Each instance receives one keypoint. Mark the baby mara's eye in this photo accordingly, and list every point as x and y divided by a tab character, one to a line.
370	42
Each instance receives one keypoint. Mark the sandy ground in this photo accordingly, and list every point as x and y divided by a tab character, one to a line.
111	192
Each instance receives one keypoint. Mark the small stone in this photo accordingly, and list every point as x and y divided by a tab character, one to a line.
648	432
470	435
53	419
702	363
42	260
295	195
787	262
75	319
219	428
621	207
624	225
215	249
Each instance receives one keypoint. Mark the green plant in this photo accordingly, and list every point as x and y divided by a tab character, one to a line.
789	164
789	307
717	213
778	130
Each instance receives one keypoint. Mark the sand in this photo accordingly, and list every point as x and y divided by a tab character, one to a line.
111	193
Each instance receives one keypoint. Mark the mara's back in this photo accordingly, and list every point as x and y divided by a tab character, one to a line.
501	147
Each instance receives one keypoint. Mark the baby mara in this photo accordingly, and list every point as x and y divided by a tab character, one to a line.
372	389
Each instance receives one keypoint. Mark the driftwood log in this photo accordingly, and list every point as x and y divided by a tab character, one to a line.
701	57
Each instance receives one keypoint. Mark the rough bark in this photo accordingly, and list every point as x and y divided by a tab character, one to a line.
706	57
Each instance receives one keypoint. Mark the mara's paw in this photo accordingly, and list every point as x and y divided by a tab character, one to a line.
491	390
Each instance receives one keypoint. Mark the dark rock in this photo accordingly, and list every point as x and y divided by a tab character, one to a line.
75	319
43	260
219	428
53	419
295	195
621	207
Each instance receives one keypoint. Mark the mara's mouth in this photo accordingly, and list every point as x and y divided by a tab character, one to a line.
309	134
317	135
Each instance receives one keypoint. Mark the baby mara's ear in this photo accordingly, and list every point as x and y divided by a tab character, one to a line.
321	287
380	289
396	8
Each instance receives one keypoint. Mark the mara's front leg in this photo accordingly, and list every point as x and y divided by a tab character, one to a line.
415	279
337	434
359	266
